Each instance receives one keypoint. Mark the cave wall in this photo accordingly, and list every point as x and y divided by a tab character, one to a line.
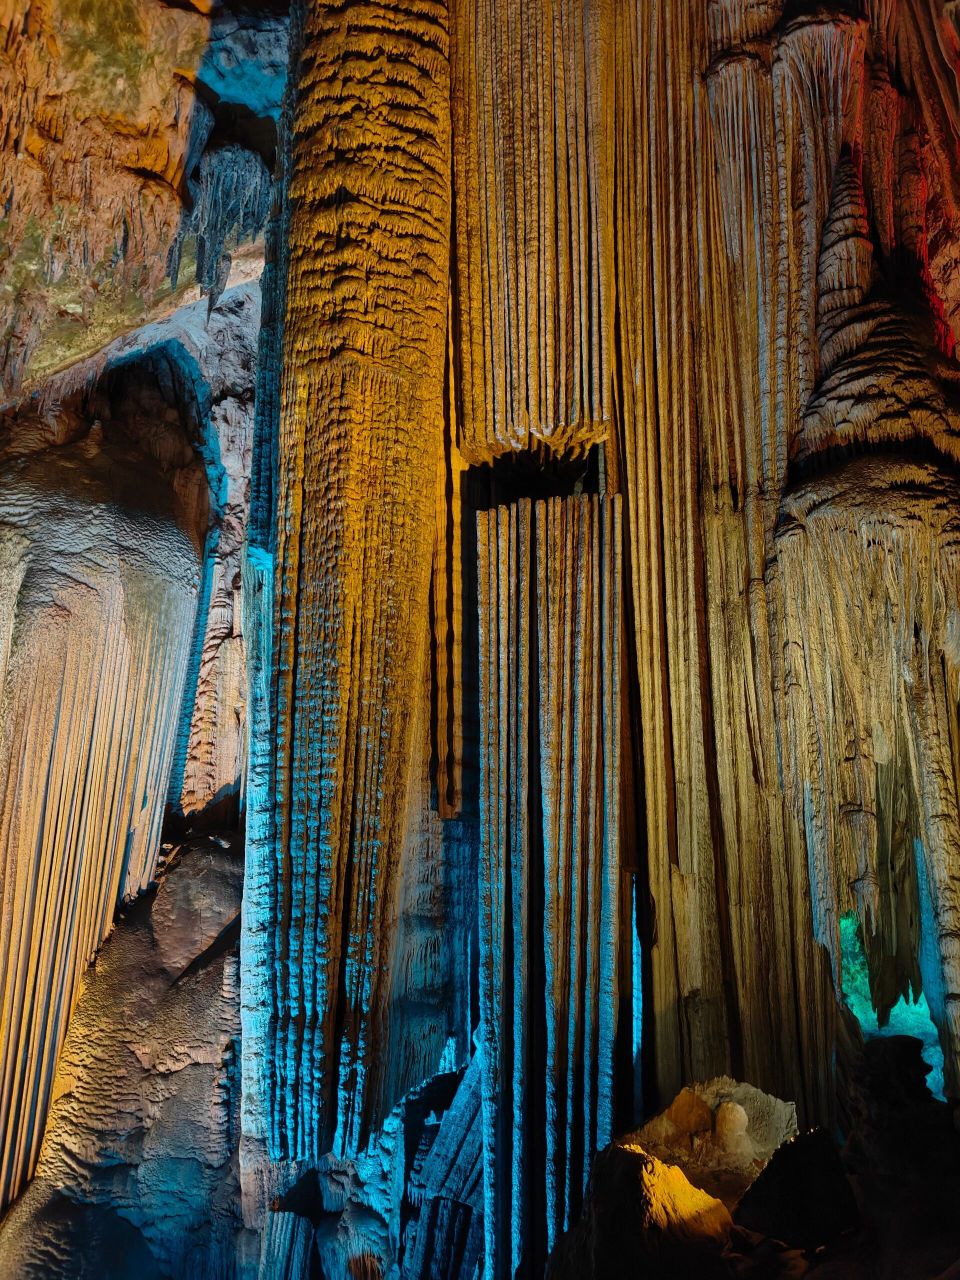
120	505
136	144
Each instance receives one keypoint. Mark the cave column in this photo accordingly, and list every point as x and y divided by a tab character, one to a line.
360	418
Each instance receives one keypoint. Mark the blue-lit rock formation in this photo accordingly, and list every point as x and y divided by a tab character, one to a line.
122	506
550	900
360	420
138	1174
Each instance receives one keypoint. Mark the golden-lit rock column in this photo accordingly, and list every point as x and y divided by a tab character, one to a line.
360	429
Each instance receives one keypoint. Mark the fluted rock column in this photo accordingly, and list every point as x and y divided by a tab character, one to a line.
360	427
550	862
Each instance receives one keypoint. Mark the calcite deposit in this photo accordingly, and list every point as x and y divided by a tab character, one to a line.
121	516
138	1172
496	464
131	134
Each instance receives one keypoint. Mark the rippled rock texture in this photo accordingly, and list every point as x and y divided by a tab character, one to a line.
137	1176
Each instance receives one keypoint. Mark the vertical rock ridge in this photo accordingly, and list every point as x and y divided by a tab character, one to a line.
534	232
662	160
102	599
550	860
360	428
872	681
447	606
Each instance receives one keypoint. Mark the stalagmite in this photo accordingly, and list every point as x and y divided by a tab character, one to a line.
448	1236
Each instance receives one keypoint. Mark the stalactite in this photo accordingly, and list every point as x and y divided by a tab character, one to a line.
657	461
207	360
869	564
360	430
550	861
534	260
766	215
429	1011
816	71
106	112
257	588
447	613
600	589
287	1244
99	602
232	199
874	539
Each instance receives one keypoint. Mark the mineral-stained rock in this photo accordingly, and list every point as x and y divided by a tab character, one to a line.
642	1217
361	418
137	1177
548	817
100	593
118	143
550	908
534	191
721	1134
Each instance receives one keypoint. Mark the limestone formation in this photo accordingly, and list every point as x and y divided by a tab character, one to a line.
122	503
556	581
119	156
101	588
137	1175
721	1134
644	1217
549	904
359	437
533	269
